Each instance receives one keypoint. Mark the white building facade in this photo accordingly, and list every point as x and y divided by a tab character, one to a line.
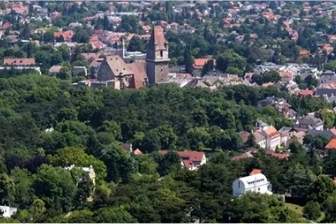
254	183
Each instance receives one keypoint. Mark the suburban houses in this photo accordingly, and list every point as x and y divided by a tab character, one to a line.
168	111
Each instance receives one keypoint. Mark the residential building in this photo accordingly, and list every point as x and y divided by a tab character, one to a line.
192	160
7	211
19	61
328	76
267	137
19	64
309	122
157	58
327	90
255	182
331	144
64	36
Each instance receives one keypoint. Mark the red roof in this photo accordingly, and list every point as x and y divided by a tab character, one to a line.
305	92
255	171
200	62
19	61
67	35
139	74
331	144
189	158
137	152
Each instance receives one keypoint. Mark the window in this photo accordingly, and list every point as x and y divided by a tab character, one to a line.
161	53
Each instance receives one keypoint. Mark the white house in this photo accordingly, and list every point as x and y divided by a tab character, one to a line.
267	137
253	183
7	211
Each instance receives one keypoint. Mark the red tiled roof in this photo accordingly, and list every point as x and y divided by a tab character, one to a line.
271	131
139	73
67	35
19	61
189	158
255	171
305	92
137	152
331	144
200	62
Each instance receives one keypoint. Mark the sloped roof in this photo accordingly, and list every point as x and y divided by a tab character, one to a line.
117	65
270	131
254	180
255	172
139	71
19	61
331	144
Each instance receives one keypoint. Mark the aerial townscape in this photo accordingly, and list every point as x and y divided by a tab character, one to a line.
153	111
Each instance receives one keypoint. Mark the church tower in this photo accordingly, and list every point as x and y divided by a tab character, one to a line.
157	59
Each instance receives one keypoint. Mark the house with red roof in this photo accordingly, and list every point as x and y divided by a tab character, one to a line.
19	61
64	36
331	145
200	62
305	93
192	160
268	137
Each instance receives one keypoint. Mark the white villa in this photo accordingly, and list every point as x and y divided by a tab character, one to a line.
7	211
253	183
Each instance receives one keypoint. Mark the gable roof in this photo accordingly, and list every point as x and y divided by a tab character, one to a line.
200	62
331	144
270	131
255	171
190	158
139	73
117	65
19	61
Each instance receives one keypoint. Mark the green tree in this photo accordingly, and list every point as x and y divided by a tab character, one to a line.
114	214
77	156
56	187
330	208
120	165
188	60
312	210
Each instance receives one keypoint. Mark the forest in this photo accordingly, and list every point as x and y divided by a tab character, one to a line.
47	124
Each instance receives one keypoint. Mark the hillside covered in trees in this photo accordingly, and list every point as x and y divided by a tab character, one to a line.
47	124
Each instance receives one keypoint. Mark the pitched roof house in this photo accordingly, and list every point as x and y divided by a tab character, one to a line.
192	160
65	35
331	144
19	61
255	182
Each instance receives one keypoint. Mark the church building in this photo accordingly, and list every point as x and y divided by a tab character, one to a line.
157	58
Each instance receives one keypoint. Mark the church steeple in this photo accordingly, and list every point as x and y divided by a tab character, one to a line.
157	58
